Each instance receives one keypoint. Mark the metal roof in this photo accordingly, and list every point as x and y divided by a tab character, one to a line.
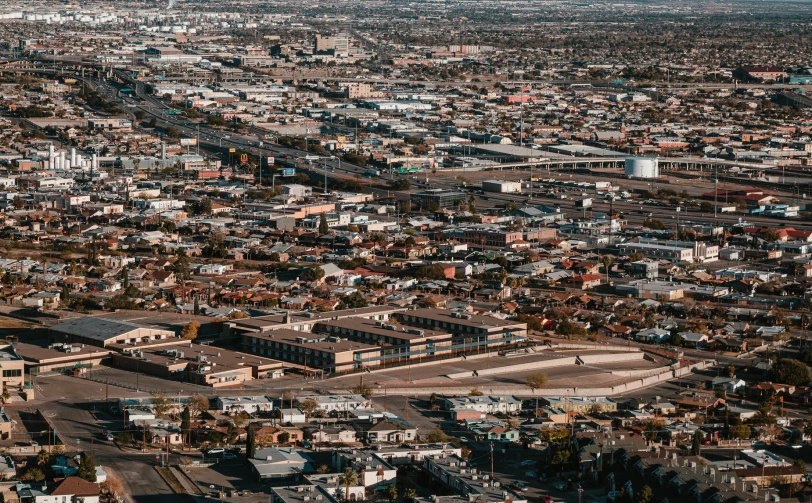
100	329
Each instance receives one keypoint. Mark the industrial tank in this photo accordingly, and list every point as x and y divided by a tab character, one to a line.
642	167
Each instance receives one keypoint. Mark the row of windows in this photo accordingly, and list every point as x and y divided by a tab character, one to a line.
281	355
289	347
12	373
454	327
358	334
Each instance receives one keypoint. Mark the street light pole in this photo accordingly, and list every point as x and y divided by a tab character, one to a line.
324	160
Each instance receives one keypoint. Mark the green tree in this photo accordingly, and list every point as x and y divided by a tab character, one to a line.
190	330
696	444
87	468
283	437
607	262
409	494
64	295
790	371
36	475
43	458
392	492
216	120
324	228
400	184
354	300
436	436
475	392
232	433
172	132
309	407
741	431
653	223
644	495
348	479
568	329
536	380
161	404
314	273
561	457
250	443
185	422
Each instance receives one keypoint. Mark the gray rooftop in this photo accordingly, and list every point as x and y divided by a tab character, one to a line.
100	329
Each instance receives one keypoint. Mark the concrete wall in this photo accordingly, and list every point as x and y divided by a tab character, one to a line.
525	391
561	361
480	356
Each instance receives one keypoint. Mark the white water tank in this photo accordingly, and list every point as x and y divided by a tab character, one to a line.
642	167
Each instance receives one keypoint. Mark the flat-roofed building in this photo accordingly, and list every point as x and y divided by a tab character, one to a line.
338	403
486	404
438	198
59	356
249	404
477	330
399	341
302	494
283	463
102	332
581	404
671	252
702	252
653	289
312	351
492	237
304	321
11	365
204	365
468	481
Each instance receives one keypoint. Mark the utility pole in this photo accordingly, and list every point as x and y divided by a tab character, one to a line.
491	459
715	191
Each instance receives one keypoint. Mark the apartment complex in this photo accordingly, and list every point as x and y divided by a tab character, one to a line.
311	351
341	341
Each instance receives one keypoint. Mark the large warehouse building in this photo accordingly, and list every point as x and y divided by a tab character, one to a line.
501	186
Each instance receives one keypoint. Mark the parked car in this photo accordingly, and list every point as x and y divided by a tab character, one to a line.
562	486
463	439
531	474
528	462
520	485
215	451
546	499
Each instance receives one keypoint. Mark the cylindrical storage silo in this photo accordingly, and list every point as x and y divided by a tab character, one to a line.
642	167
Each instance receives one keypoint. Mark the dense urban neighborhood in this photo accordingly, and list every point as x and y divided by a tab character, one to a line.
422	252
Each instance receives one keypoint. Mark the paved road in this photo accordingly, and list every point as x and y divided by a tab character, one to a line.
80	430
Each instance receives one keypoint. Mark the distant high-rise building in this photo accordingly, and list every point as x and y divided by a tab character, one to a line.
338	44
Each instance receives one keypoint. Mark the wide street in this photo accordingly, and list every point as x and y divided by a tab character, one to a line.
82	429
